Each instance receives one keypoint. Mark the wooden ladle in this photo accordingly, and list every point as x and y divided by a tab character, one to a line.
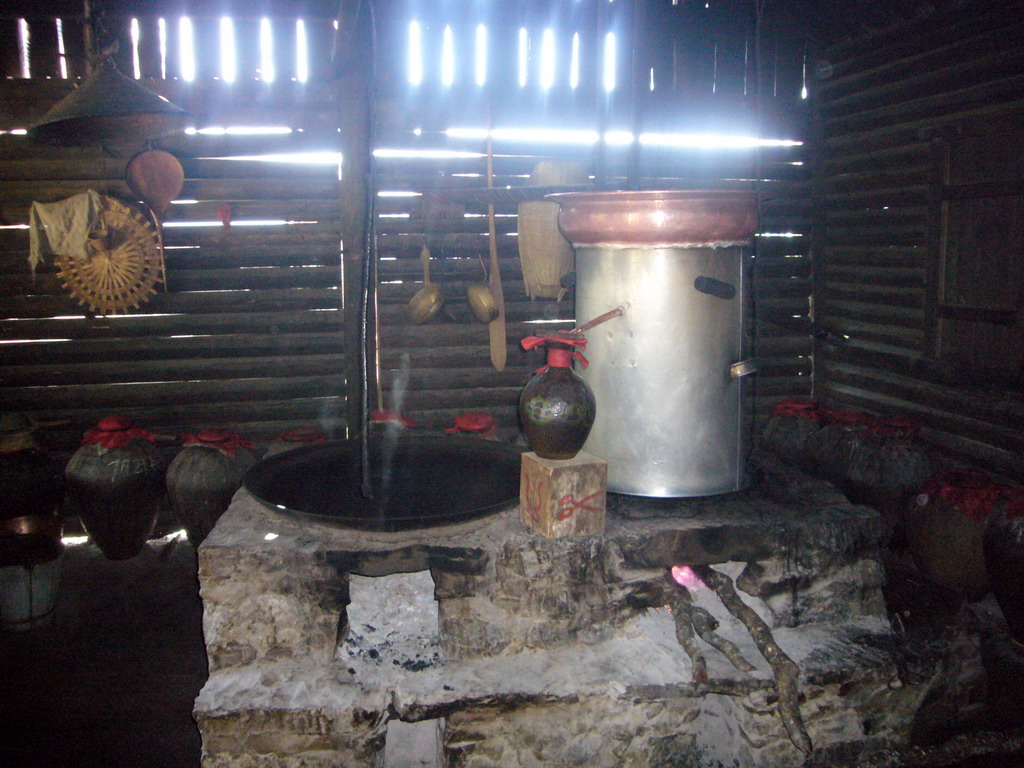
481	299
428	300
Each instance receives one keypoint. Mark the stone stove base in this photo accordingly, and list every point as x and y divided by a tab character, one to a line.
529	651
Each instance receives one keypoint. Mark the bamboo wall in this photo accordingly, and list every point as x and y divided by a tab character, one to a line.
248	333
889	105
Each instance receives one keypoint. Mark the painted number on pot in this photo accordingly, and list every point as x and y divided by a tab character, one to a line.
132	466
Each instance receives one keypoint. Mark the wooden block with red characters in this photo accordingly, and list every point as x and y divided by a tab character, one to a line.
563	498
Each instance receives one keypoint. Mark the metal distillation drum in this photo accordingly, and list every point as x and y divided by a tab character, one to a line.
669	375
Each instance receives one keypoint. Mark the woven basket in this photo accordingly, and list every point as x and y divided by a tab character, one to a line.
123	265
544	253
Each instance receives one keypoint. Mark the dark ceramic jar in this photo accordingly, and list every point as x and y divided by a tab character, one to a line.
1003	546
116	480
30	482
787	429
204	476
945	525
826	452
888	467
556	407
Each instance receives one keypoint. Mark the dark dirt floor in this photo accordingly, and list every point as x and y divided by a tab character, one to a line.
110	682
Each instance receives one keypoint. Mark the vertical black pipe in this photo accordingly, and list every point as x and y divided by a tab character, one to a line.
354	66
369	272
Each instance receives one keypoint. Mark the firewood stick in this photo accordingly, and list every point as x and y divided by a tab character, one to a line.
786	672
682	605
704	624
672	691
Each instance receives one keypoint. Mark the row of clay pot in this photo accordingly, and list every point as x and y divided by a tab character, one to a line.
963	529
117	479
875	461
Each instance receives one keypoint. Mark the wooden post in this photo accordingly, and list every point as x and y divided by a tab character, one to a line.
88	37
563	498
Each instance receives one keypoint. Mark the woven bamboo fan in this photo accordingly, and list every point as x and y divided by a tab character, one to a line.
544	254
123	261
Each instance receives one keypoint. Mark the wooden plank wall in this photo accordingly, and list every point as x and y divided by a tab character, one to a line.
880	101
246	335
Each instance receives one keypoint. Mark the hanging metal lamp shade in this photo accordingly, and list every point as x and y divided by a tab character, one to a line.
108	108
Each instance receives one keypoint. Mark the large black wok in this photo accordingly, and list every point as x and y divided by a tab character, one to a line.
418	481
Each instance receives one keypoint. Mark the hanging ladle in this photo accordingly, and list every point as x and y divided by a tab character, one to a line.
481	299
427	300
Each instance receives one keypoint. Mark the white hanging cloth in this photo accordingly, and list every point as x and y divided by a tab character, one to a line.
63	227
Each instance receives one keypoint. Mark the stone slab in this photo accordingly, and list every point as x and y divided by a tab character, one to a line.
638	681
784	515
276	587
642	663
317	635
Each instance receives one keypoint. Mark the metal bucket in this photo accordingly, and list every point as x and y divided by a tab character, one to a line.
28	594
669	376
30	555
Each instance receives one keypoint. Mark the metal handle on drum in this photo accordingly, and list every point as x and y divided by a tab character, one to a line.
743	368
717	288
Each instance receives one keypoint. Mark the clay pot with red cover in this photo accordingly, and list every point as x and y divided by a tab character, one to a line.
556	407
294	438
945	527
204	476
826	452
30	482
1003	547
787	429
116	480
887	467
473	423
